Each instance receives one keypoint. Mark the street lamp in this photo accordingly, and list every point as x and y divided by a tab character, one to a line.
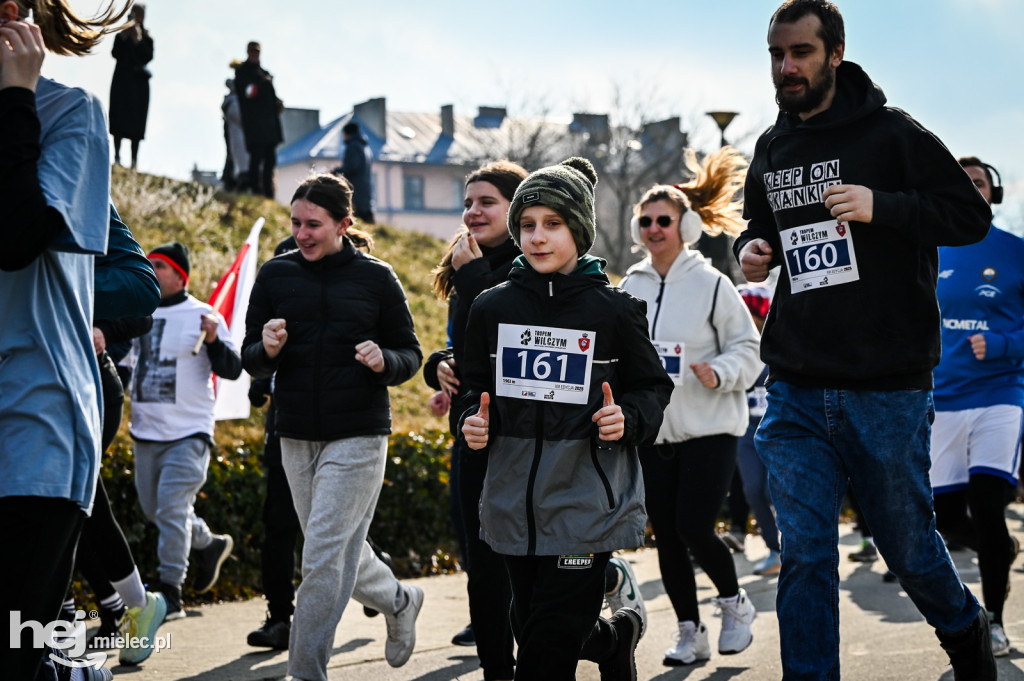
723	119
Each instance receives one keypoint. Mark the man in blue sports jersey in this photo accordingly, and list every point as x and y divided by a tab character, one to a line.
979	395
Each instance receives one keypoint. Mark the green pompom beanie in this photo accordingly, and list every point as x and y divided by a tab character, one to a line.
566	188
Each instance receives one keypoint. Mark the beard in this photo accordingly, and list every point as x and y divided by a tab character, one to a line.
814	93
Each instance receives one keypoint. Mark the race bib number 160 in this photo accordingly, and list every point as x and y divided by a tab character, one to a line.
819	255
544	363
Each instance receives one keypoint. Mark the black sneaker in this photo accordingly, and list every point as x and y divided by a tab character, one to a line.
466	637
172	594
866	554
110	627
621	666
271	635
970	651
209	560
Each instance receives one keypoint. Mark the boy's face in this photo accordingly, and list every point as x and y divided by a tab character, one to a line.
546	241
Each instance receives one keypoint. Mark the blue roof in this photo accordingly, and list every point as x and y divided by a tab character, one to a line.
417	138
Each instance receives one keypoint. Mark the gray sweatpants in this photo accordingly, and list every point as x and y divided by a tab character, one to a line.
335	486
168	475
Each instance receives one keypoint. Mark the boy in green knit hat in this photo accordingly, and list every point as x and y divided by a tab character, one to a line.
562	384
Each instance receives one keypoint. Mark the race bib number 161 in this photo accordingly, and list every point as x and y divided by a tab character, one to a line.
544	363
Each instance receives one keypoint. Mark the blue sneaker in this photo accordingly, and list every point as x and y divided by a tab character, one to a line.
769	565
139	629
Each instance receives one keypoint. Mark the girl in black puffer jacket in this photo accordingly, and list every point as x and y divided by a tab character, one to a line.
334	325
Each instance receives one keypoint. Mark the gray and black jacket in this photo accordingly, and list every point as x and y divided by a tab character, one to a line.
552	487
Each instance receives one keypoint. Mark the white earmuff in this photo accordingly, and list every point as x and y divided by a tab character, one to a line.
634	230
690	228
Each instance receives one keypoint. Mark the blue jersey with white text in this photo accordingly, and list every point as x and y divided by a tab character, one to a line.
981	290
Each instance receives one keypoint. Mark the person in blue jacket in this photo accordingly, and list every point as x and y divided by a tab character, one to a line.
979	399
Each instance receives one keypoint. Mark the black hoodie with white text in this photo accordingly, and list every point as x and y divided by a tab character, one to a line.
855	306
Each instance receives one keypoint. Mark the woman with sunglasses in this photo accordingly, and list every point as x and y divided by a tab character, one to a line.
709	346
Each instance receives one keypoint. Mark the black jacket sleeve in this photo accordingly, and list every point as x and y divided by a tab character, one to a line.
430	367
254	358
477	376
940	206
29	225
126	285
224	361
120	330
398	341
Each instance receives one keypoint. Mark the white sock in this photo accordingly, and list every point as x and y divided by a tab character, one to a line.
730	599
131	590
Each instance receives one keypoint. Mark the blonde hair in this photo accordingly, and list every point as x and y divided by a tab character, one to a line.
65	32
710	193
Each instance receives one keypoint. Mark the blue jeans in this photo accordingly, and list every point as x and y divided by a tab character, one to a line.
755	487
814	442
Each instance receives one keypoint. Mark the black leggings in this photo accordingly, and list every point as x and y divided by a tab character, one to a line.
489	589
984	531
686	484
103	552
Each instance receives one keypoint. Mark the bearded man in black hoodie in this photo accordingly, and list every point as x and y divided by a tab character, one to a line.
851	198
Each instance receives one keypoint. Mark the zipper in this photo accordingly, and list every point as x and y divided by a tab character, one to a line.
538	449
318	364
601	474
657	310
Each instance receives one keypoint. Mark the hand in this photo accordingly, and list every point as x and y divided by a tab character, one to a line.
755	260
208	324
446	377
611	423
274	337
369	353
439	403
978	345
99	341
849	202
21	54
705	374
466	249
257	396
475	427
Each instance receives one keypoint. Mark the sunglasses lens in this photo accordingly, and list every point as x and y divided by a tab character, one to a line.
664	220
645	221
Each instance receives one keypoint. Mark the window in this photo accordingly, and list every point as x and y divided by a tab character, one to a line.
412	189
459	192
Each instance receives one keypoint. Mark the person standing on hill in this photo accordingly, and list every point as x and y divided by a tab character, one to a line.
261	110
356	162
129	89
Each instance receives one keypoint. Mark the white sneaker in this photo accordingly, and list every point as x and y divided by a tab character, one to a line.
626	593
1000	642
402	628
737	615
691	645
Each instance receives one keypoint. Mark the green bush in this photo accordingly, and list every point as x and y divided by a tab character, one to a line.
412	520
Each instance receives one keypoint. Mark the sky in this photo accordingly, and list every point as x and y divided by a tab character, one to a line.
954	65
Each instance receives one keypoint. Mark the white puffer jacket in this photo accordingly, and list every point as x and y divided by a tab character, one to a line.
699	306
